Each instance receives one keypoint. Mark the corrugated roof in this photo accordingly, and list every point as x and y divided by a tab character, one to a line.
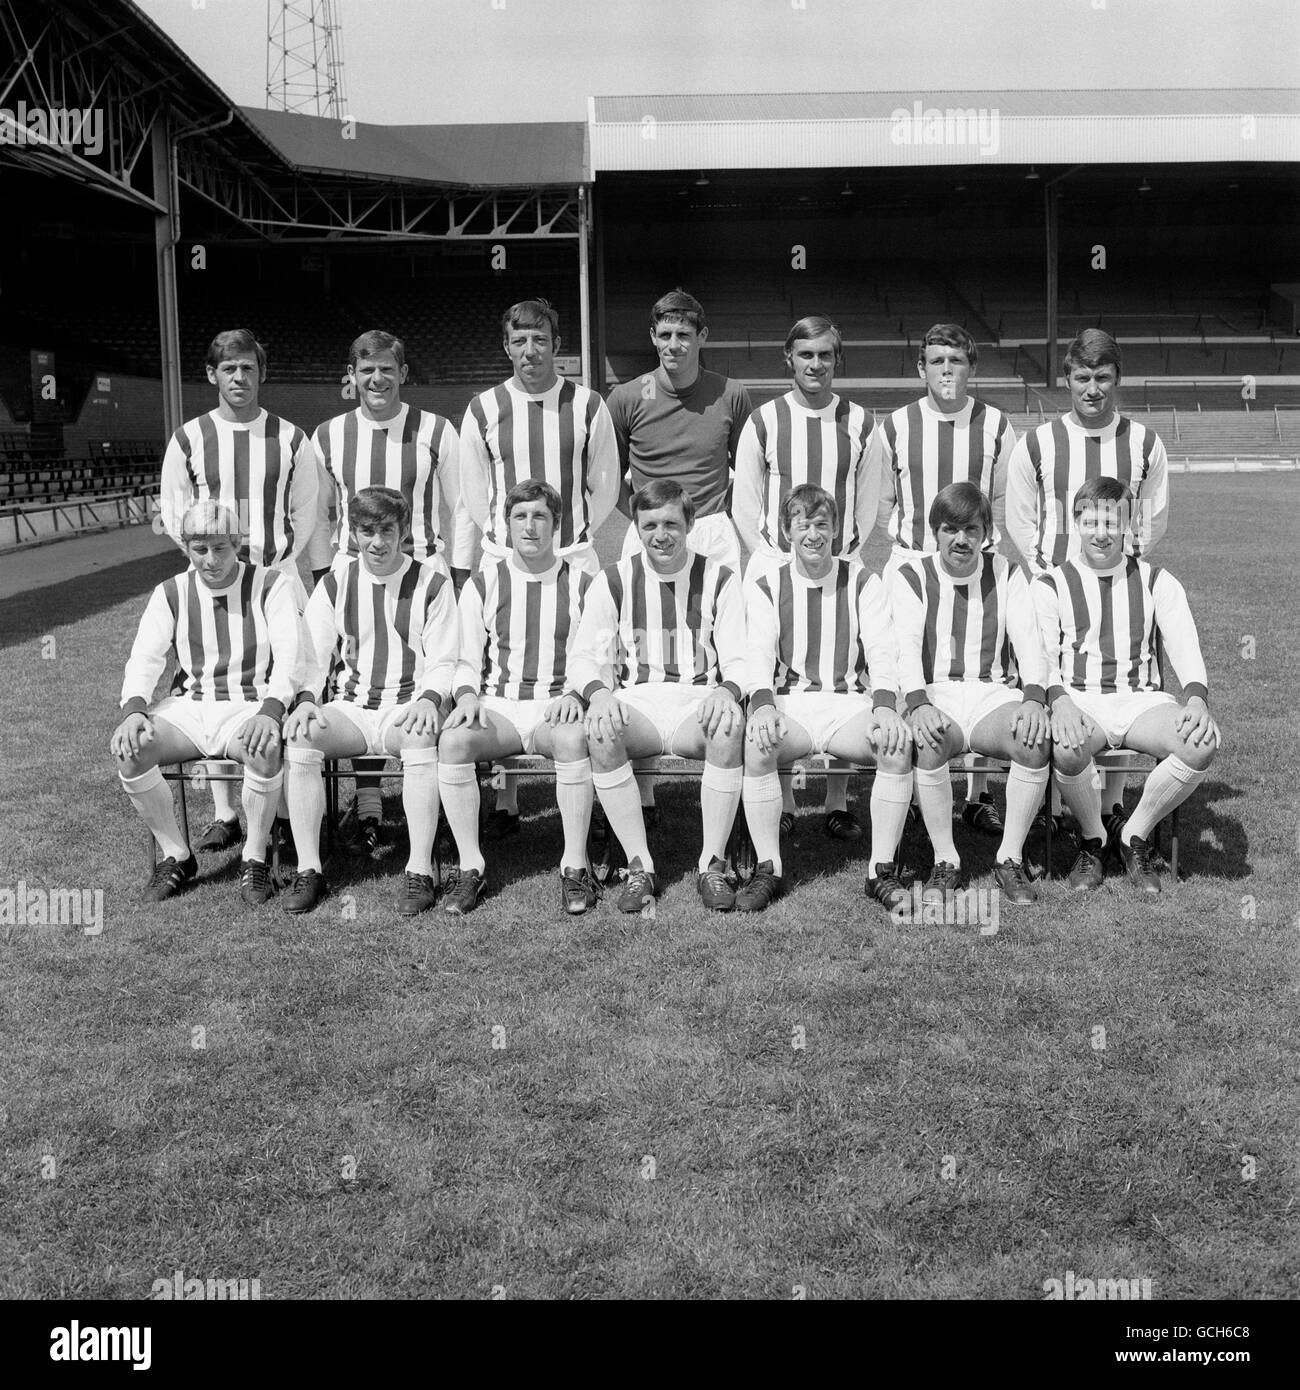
497	156
857	106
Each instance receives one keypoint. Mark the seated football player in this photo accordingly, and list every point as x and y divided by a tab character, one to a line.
389	622
517	622
824	679
659	660
233	627
956	611
1101	615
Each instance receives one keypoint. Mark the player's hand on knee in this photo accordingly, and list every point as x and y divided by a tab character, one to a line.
419	717
765	729
888	733
468	712
1030	724
1069	727
718	714
297	727
260	737
928	727
566	709
130	736
1195	726
606	717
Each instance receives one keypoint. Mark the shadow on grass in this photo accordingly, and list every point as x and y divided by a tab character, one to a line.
36	612
1210	843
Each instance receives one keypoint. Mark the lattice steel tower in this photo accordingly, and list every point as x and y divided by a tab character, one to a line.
304	57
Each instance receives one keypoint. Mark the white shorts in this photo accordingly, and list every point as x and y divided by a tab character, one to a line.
822	713
714	536
967	702
208	724
581	557
1115	714
372	724
666	705
522	715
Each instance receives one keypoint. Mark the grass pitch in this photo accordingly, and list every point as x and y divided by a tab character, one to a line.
348	1105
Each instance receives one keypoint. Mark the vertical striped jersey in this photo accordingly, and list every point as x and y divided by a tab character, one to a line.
516	629
241	642
563	436
1053	462
641	628
830	634
976	629
393	638
924	450
266	472
414	453
1099	627
784	445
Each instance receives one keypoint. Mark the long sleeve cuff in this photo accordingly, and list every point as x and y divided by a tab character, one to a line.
434	697
576	695
1196	688
591	688
760	699
1035	692
883	699
915	699
137	704
463	690
733	690
1055	693
272	708
303	697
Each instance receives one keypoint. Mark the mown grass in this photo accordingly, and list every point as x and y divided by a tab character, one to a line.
950	1126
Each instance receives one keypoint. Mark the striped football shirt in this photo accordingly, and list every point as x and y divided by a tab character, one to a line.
830	634
784	445
393	638
516	629
1099	627
266	472
563	436
1053	462
414	453
924	450
976	629
240	642
641	628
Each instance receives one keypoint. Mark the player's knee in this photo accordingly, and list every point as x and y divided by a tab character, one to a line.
898	764
1070	761
424	740
453	746
264	764
569	742
727	744
927	759
606	754
1036	757
758	762
1197	756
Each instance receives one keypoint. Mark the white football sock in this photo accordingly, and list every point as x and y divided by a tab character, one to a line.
224	794
618	795
420	802
1084	800
261	797
574	795
891	795
977	783
787	790
152	799
934	792
1112	792
719	797
458	784
762	797
1024	796
306	789
1170	784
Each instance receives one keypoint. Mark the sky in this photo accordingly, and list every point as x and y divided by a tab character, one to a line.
453	61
